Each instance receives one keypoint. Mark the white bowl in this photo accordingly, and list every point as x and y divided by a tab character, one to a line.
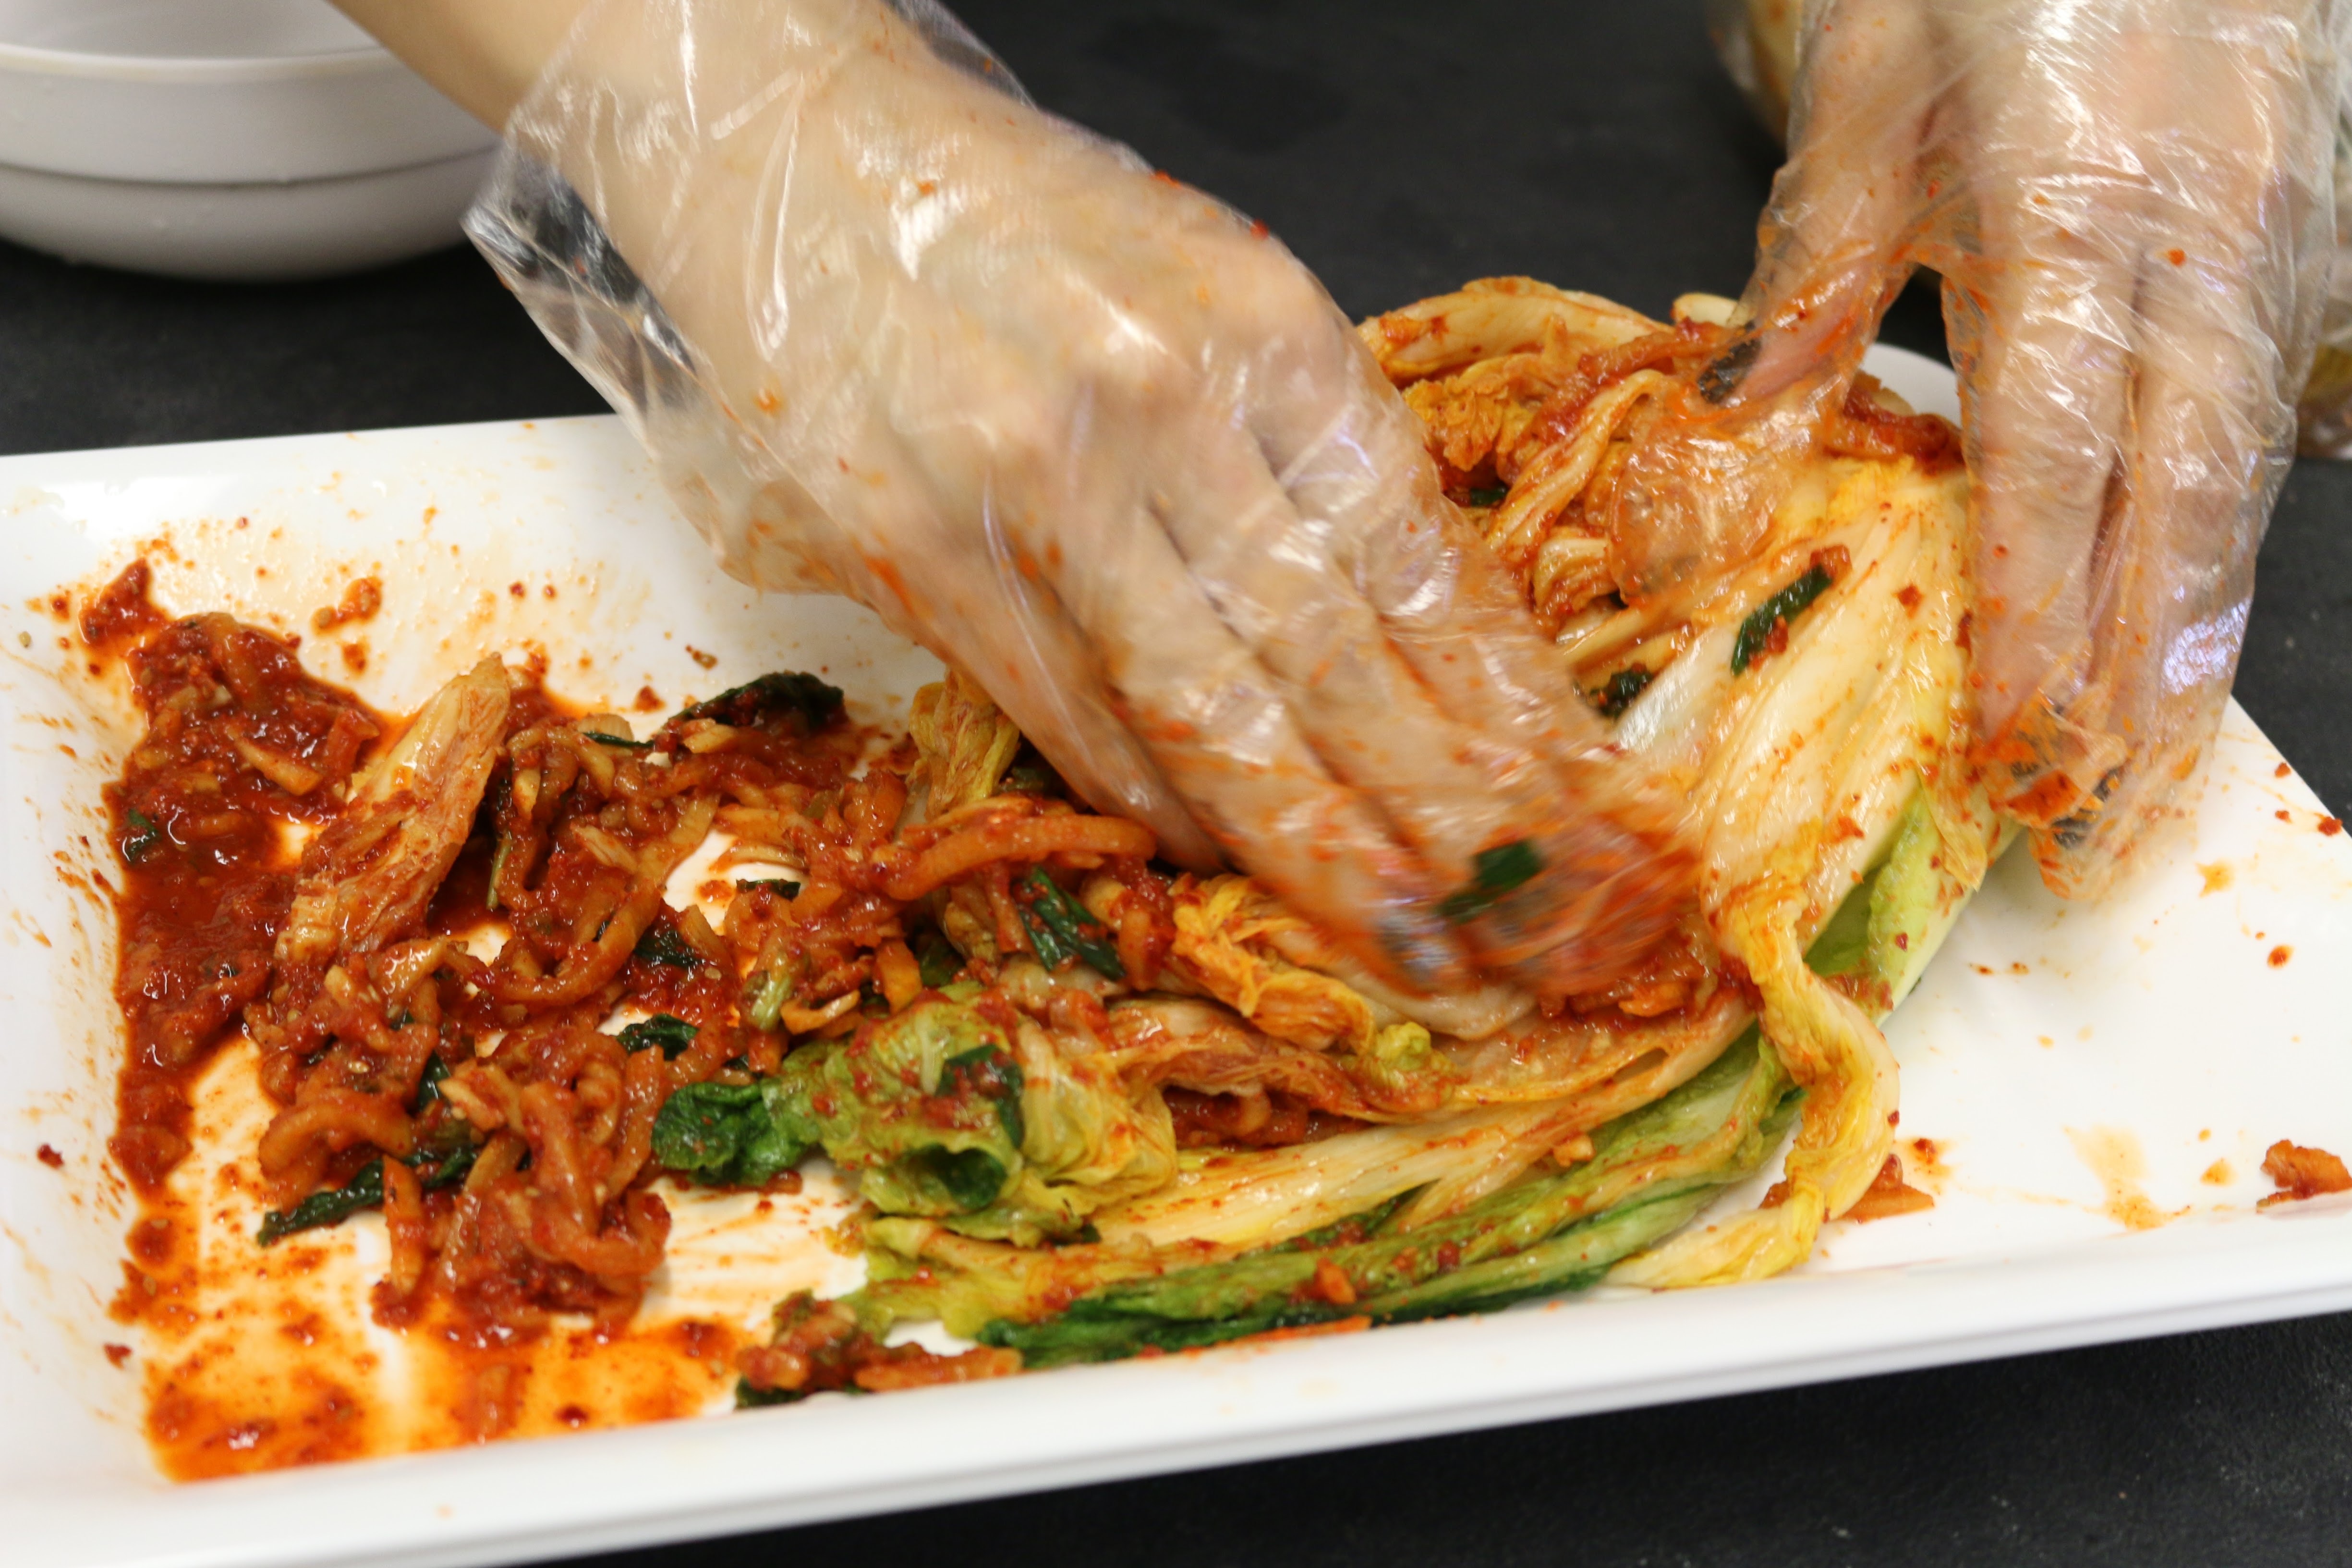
245	138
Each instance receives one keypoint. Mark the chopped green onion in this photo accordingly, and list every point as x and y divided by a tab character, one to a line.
497	864
749	1398
1617	693
436	1169
1719	380
1756	631
671	1035
333	1207
428	1082
937	958
1493	873
767	1001
804	697
452	1168
1026	778
662	945
1060	928
143	835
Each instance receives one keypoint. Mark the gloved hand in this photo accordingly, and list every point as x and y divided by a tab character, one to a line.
2131	205
891	331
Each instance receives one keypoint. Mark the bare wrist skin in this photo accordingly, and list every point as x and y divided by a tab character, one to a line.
484	54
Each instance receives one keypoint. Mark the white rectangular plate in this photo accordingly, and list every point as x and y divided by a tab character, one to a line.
2080	1069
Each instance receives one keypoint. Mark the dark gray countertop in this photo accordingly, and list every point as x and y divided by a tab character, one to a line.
1401	149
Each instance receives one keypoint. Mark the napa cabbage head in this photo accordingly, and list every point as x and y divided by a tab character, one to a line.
1831	761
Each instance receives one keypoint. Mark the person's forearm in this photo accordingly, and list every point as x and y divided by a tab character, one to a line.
482	53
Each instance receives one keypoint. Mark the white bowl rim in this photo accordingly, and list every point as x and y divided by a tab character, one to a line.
200	69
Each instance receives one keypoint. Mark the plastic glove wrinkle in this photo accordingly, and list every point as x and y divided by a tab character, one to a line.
2133	205
1081	431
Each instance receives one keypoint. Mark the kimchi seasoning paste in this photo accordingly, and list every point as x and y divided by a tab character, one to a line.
241	747
243	753
254	1356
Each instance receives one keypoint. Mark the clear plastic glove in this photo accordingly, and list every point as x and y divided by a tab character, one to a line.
2132	207
891	331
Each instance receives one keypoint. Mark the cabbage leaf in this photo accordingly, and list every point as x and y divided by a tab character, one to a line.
963	742
1649	1171
735	1135
923	1108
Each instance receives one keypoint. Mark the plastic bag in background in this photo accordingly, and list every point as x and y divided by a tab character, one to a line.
2134	209
890	331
